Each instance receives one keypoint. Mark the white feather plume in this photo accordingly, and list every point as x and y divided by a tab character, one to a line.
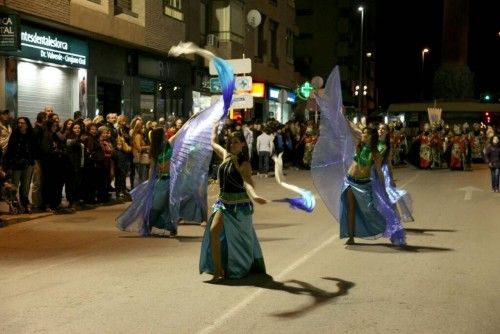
187	48
278	174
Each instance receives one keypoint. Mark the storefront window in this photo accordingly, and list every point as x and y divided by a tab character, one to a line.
280	106
200	102
147	102
174	100
173	8
281	112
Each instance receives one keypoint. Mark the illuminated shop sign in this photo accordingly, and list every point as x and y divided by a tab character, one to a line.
9	32
274	93
52	47
258	89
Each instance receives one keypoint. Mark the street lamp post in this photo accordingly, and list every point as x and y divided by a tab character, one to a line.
360	79
424	51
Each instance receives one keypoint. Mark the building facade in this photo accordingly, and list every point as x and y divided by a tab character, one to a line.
269	45
96	56
111	56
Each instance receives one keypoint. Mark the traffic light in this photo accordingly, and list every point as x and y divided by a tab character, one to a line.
486	98
487	117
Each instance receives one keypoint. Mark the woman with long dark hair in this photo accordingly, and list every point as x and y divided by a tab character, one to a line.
150	200
161	153
19	160
75	151
353	172
230	227
52	161
359	217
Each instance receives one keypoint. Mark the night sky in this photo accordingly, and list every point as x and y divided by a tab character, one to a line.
404	28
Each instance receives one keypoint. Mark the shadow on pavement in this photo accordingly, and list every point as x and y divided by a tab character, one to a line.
389	248
273	239
138	236
424	231
296	287
9	219
264	226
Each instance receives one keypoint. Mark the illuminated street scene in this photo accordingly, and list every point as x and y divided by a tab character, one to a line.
249	166
79	273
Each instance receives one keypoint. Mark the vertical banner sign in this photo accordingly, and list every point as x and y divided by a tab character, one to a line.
434	115
10	32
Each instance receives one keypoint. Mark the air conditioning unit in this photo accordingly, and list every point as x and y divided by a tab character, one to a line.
212	40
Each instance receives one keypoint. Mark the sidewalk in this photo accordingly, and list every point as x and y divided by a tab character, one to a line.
7	219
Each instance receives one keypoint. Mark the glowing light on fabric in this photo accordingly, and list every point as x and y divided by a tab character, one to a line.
192	147
334	150
306	201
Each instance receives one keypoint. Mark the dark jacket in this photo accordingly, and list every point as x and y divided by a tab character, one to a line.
20	151
492	155
75	151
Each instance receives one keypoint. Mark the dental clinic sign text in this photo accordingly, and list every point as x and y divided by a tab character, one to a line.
52	47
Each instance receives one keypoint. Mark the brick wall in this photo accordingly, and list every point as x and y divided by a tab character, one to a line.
159	33
162	32
54	10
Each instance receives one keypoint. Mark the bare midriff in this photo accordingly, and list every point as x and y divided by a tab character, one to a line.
163	167
359	172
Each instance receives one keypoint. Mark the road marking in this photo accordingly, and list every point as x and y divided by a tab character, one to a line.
410	180
468	192
227	315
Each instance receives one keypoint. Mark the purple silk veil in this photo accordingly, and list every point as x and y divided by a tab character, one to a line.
193	149
332	156
393	227
398	197
190	161
334	150
136	216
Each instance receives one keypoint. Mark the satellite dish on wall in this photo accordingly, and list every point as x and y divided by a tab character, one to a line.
317	82
254	18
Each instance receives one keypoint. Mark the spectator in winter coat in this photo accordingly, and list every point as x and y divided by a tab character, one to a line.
492	157
19	160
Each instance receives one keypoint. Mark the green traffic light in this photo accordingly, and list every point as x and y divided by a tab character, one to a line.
487	97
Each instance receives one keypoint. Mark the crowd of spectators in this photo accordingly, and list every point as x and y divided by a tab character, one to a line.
61	166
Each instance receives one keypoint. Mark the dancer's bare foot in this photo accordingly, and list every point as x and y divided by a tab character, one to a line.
350	241
217	278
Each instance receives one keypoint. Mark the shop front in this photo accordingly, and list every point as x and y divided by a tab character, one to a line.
259	101
280	102
165	88
201	90
50	69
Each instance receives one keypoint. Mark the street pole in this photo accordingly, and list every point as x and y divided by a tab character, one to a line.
424	51
360	79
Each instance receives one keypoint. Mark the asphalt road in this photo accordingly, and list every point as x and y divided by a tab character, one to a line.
79	274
